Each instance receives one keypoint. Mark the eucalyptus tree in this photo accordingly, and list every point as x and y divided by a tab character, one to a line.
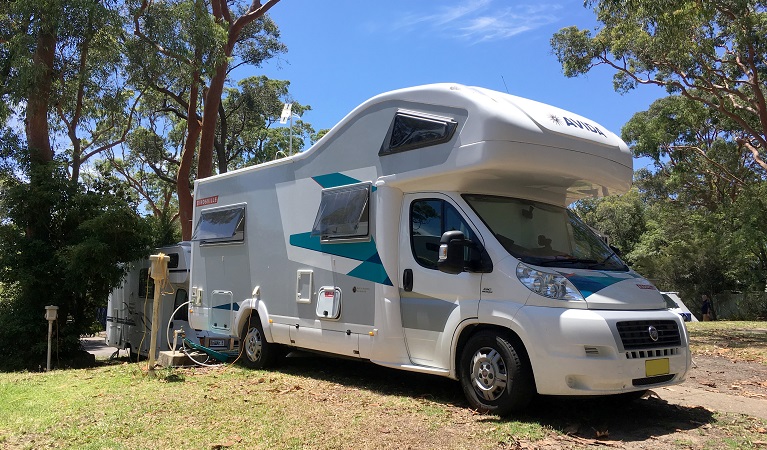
695	152
705	211
249	131
710	52
184	51
622	218
62	242
61	66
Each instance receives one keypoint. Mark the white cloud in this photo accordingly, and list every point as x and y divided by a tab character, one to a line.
481	21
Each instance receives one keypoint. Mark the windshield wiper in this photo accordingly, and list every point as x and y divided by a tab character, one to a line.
566	260
612	254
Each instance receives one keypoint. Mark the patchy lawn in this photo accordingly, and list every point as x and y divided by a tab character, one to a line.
321	403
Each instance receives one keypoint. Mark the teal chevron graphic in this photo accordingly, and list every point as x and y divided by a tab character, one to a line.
589	284
371	269
332	180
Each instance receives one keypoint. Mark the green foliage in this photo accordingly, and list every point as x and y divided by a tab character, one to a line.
89	103
712	53
697	222
61	244
621	218
704	209
249	131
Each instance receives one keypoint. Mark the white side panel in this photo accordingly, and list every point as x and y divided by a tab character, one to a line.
329	341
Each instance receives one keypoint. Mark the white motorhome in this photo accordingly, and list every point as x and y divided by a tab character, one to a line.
129	307
428	231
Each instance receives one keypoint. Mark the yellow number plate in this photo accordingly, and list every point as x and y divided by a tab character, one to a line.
654	367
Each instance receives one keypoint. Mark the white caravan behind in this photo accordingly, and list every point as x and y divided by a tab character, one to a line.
428	231
129	307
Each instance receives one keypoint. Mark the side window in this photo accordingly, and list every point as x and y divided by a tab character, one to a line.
411	130
173	262
145	285
181	298
220	225
343	213
429	219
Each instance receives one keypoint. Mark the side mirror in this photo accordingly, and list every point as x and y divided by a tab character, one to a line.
451	246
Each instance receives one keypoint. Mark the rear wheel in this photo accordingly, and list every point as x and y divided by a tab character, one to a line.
495	376
256	352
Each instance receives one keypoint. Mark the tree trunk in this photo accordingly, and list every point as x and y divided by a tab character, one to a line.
216	88
223	163
36	124
39	98
185	199
209	117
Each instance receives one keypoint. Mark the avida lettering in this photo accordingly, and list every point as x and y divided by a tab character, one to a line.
583	125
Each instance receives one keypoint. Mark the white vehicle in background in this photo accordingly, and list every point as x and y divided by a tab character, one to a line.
428	231
674	304
129	308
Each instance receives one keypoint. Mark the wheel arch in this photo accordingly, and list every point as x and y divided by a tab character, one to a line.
253	308
471	329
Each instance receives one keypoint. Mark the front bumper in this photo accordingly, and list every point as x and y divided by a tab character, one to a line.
583	352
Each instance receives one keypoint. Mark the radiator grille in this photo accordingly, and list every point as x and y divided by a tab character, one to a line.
636	334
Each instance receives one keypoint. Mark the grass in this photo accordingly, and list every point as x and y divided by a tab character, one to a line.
320	403
738	341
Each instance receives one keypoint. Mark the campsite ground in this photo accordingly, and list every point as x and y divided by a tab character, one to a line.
316	402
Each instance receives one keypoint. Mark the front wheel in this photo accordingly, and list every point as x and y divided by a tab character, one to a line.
495	376
256	352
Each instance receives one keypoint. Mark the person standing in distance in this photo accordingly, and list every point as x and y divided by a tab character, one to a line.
705	309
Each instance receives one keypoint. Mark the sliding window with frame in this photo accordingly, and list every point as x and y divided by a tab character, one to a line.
221	225
344	213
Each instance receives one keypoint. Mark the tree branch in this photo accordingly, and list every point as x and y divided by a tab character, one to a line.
137	31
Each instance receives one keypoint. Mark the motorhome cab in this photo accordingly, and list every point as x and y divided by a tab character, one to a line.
428	231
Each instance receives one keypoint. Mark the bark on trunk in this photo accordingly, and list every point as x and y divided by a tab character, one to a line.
39	98
216	88
185	199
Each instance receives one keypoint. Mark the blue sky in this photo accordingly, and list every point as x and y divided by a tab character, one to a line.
342	52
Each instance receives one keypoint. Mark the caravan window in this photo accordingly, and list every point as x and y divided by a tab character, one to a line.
410	131
181	298
145	284
221	225
173	262
343	213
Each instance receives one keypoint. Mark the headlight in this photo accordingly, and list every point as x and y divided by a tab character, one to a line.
547	284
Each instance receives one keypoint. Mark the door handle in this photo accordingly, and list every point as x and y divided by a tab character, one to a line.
407	280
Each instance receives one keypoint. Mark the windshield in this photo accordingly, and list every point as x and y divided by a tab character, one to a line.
542	234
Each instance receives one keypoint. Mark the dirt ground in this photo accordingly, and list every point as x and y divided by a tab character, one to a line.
723	404
718	391
738	379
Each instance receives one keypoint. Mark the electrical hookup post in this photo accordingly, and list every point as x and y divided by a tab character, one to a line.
159	273
51	315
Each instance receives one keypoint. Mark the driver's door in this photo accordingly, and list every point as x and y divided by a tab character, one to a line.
432	303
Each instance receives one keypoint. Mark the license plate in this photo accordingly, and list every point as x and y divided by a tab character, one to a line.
655	367
217	342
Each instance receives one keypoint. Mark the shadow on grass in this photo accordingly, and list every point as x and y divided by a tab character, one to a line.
587	417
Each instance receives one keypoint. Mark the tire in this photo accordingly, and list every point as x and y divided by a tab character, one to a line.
255	351
496	376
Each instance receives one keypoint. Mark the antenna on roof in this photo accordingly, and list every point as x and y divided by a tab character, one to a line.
504	84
